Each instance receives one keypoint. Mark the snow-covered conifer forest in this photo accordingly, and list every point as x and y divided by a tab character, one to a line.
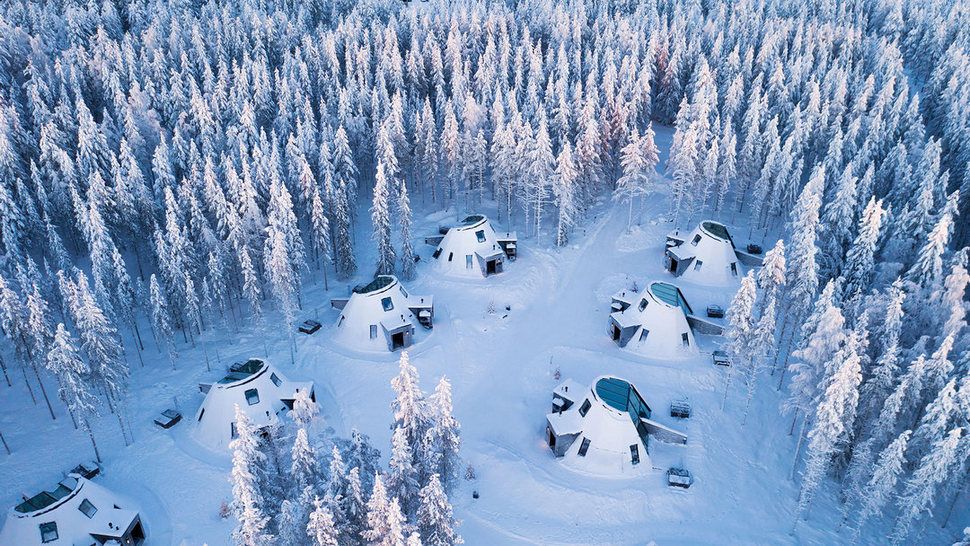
183	183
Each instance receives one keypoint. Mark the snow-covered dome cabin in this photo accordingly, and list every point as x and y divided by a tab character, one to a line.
259	389
382	315
473	248
706	256
654	322
603	429
78	511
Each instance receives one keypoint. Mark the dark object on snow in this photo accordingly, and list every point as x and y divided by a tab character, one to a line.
715	311
508	307
168	418
721	358
86	470
679	477
680	410
309	326
417	258
754	249
475	494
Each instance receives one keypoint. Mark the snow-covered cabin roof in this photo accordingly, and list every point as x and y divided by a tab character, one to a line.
707	255
655	322
467	247
76	512
258	388
383	303
611	434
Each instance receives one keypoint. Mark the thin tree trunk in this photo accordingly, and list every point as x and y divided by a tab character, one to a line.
798	448
30	389
43	391
3	366
87	427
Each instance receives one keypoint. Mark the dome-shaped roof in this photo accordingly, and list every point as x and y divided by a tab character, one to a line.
654	322
708	256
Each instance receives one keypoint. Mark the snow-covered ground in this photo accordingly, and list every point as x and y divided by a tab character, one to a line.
551	308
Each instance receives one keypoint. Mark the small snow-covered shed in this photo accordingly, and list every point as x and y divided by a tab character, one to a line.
604	429
704	256
654	322
259	389
76	512
473	248
382	314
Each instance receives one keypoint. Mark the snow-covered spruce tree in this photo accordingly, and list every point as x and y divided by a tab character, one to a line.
882	485
741	333
920	491
247	504
639	159
802	266
381	218
859	261
771	280
442	441
303	466
833	421
434	518
564	190
102	347
882	377
824	335
385	522
305	410
283	253
321	528
402	475
346	263
161	319
405	220
540	168
408	406
73	388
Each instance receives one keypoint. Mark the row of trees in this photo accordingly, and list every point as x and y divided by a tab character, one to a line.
287	489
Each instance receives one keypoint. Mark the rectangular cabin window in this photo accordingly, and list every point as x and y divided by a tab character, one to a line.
201	413
232	430
584	447
635	454
686	339
480	235
87	508
468	261
275	379
48	532
697	239
373	331
437	253
734	268
387	304
643	334
450	256
585	407
643	304
697	265
252	397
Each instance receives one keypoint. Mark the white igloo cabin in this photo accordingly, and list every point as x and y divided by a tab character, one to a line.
77	511
653	322
603	429
259	389
705	256
382	315
473	248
